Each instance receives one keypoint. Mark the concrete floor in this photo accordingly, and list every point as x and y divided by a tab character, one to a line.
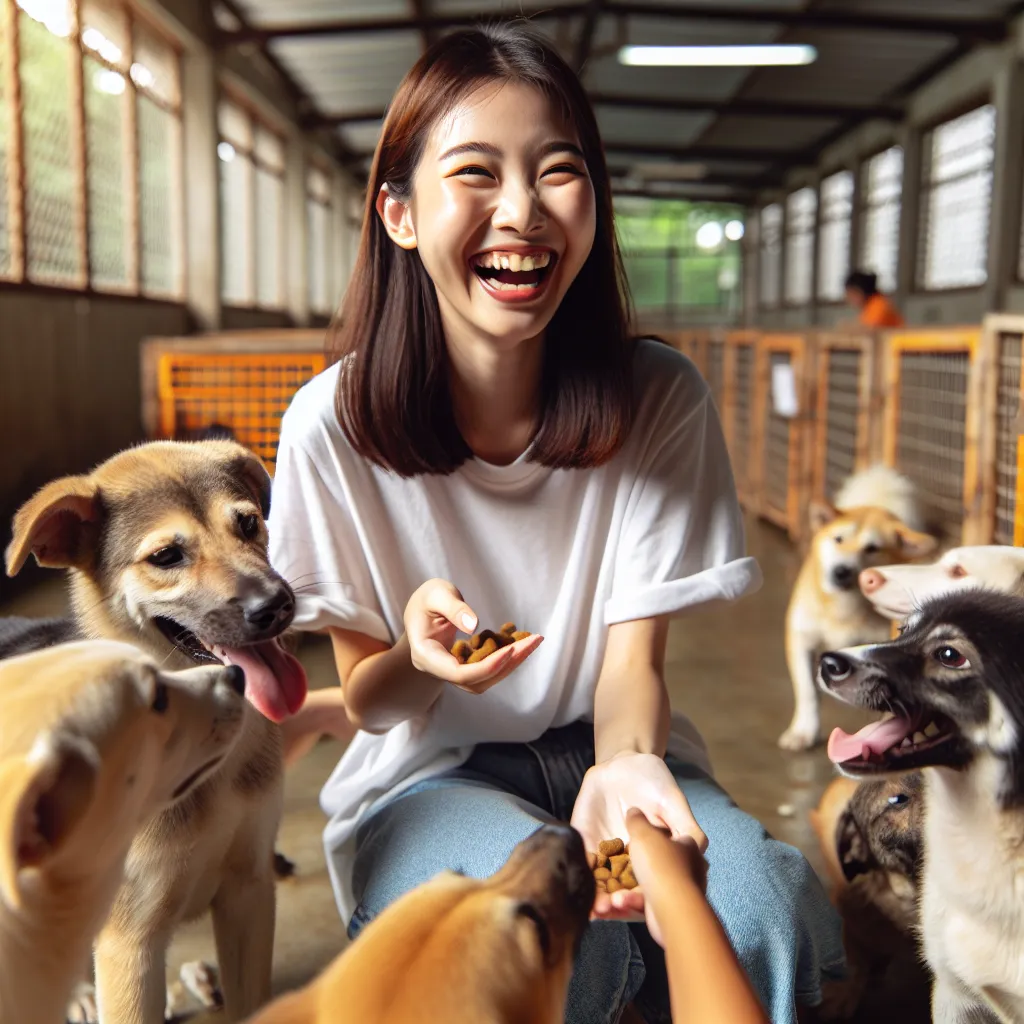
725	669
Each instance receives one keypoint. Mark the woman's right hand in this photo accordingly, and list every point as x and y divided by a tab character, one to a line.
433	616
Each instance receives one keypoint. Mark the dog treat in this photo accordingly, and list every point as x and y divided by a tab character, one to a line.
483	644
612	868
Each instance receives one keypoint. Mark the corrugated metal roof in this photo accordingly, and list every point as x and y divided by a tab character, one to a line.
347	70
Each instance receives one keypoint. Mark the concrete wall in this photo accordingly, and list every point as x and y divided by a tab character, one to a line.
69	363
989	74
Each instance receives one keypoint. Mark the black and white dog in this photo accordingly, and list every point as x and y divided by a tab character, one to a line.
953	687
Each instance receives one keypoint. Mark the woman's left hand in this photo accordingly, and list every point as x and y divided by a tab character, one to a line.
608	792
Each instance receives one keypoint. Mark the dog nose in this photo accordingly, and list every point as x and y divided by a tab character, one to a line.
835	668
871	580
235	678
842	574
264	613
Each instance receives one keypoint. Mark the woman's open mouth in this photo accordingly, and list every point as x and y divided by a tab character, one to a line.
514	275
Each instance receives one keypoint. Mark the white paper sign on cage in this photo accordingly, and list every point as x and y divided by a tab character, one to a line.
784	399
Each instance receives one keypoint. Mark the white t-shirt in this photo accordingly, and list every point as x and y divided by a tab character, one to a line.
565	553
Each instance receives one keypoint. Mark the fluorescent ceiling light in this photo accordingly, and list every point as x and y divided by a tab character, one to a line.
718	56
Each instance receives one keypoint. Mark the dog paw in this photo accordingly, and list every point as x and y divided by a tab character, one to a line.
283	867
201	980
798	737
82	1008
840	999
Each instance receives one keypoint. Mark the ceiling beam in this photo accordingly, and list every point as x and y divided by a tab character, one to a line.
738	107
993	29
370	26
689	153
586	37
976	29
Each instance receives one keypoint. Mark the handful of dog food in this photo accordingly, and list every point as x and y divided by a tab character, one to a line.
612	867
483	644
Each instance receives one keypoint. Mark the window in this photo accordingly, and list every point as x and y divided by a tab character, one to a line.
956	201
771	254
319	214
252	161
801	209
881	195
834	245
91	126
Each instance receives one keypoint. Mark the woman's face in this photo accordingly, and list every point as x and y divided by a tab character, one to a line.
502	213
855	297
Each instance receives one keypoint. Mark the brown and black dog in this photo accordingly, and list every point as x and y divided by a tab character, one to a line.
871	836
166	545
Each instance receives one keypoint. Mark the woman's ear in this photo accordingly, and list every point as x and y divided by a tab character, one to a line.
397	219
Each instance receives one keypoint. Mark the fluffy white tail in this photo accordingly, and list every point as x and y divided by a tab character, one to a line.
883	487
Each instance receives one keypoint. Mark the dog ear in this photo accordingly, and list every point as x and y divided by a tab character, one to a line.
43	797
915	544
852	848
57	525
821	514
250	471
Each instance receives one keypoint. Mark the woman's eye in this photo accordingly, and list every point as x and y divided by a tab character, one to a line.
473	172
563	169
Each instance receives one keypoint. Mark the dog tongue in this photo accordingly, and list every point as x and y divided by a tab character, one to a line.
275	682
874	739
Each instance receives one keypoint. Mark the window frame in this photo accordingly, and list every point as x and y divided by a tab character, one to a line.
925	187
257	122
13	192
789	233
777	302
315	166
863	208
818	297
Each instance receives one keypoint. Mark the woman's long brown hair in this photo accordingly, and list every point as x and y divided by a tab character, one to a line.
393	398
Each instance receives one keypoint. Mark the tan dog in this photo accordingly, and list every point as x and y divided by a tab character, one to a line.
871	836
167	548
894	591
464	951
827	611
95	738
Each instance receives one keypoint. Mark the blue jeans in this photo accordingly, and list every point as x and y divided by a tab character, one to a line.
780	922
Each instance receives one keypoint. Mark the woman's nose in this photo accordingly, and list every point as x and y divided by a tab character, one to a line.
519	209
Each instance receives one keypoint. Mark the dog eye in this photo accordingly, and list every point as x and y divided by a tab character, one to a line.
950	657
161	698
166	558
871	549
838	538
898	799
249	525
543	935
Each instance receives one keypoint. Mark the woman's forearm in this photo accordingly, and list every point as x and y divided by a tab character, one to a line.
631	714
382	689
706	982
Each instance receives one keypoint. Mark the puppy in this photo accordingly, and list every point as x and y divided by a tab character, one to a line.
895	590
954	681
875	522
464	951
96	738
167	548
871	838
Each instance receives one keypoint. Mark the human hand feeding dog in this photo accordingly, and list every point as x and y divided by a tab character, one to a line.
97	738
499	949
951	683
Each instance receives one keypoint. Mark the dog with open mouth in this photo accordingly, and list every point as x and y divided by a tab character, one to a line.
952	686
166	547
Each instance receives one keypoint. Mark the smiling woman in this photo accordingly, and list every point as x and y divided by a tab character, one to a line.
491	425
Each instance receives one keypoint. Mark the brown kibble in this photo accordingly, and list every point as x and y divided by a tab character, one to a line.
485	650
462	650
601	886
614	885
610	847
508	628
627	879
618	864
602	874
520	635
475	641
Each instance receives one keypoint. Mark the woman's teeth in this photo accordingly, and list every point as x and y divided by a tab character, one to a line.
511	261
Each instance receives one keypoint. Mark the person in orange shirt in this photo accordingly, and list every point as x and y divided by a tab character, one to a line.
875	309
